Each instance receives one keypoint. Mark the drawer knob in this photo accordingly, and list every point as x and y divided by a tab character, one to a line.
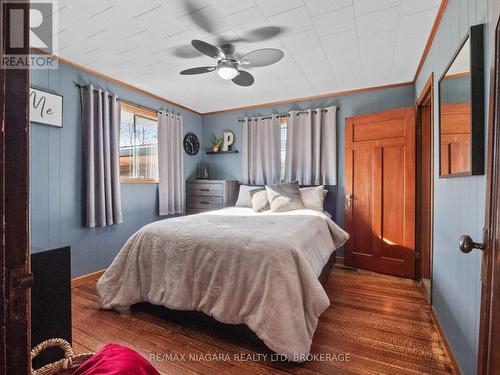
204	189
203	202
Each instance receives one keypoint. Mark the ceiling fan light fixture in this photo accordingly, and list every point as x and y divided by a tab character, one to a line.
227	70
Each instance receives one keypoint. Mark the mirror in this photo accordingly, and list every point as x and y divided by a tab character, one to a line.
461	109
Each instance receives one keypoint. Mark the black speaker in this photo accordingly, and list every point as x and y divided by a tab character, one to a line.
50	300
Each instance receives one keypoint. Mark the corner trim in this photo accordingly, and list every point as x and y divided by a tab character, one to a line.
447	346
430	39
81	280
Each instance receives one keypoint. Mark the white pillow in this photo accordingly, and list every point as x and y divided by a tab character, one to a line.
313	197
244	197
260	202
284	197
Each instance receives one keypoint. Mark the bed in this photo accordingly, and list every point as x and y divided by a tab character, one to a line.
235	265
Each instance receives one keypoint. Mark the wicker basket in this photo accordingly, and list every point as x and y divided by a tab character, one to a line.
64	366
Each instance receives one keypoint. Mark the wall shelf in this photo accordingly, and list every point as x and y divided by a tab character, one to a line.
222	152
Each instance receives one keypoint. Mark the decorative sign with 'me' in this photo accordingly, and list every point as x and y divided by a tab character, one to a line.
46	108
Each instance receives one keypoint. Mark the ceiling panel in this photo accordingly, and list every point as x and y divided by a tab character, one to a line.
273	7
329	45
317	7
292	21
335	21
382	20
363	7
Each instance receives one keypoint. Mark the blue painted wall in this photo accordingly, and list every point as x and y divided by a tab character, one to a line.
57	214
456	287
230	166
455	90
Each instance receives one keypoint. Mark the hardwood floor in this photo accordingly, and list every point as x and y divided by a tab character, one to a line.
381	324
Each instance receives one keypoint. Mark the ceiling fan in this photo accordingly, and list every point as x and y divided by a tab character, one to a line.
229	66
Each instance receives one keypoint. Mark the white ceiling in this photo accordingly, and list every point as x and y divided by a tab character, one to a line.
329	45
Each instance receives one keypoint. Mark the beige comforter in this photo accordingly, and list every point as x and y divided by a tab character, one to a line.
238	266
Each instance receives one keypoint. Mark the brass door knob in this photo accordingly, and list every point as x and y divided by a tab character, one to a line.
348	200
467	245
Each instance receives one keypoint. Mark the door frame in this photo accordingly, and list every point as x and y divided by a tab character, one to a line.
489	326
427	94
15	278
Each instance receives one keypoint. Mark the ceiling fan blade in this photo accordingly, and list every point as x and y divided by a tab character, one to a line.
198	15
262	57
207	49
199	70
263	33
186	52
244	79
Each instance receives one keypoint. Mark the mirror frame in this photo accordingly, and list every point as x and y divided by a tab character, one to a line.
476	57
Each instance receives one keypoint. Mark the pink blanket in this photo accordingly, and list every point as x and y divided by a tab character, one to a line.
114	359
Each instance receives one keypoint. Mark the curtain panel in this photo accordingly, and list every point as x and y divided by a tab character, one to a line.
311	149
101	123
261	150
171	164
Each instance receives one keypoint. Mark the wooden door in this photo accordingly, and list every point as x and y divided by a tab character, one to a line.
14	252
489	328
455	138
380	192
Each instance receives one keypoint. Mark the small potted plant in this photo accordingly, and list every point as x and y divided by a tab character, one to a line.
216	143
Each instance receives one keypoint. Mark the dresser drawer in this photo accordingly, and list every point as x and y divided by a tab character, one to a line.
213	190
205	202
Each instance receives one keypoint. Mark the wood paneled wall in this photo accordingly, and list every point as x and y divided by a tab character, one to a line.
56	177
229	166
458	203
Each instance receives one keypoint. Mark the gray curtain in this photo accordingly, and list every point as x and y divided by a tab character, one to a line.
101	122
311	152
261	150
171	164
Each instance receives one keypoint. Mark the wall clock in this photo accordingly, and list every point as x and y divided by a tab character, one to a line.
191	144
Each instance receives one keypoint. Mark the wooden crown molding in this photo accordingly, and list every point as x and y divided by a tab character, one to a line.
314	97
430	39
261	105
428	44
114	80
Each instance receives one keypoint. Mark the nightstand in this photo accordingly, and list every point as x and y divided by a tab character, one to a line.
208	195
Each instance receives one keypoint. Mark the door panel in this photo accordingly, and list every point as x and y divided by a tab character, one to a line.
380	175
362	220
394	202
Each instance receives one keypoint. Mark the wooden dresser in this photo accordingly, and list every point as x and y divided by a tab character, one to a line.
208	195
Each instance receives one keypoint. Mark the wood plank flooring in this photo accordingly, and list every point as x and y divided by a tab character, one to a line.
381	324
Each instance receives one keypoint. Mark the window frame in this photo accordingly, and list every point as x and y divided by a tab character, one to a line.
138	111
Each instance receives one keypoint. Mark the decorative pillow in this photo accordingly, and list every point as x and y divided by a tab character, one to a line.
284	197
260	202
244	198
313	197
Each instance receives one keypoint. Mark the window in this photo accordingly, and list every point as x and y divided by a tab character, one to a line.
283	137
138	145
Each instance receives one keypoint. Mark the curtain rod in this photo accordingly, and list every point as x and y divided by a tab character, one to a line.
125	101
281	115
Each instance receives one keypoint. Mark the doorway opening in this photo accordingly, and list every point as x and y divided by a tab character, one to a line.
425	186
